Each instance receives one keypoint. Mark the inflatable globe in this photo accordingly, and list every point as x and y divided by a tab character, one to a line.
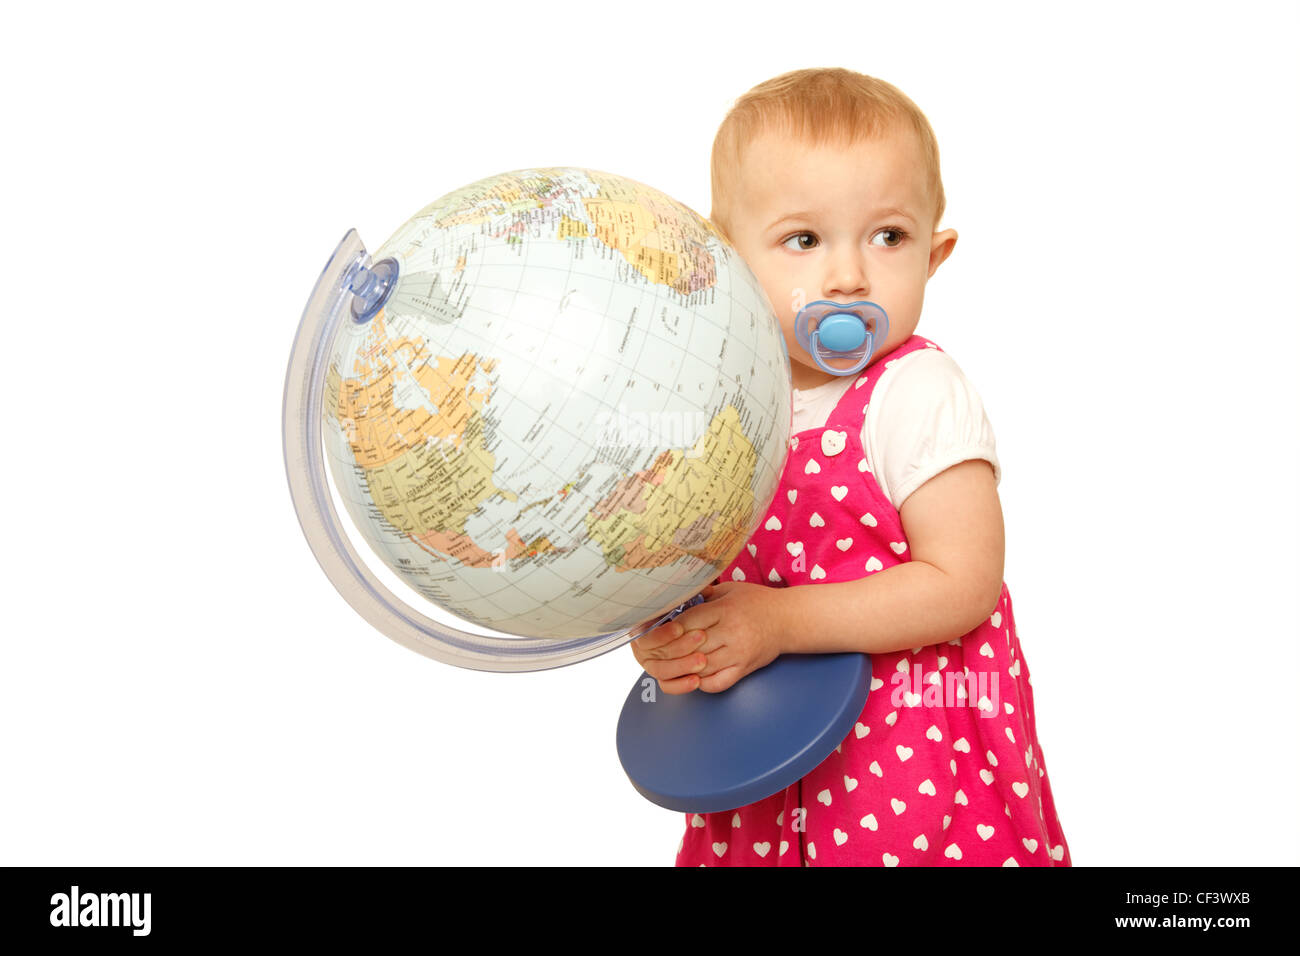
555	403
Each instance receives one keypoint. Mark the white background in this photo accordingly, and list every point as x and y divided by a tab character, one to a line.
180	683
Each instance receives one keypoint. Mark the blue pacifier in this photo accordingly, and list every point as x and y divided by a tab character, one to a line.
834	330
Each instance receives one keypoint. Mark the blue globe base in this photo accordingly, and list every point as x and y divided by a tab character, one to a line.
703	753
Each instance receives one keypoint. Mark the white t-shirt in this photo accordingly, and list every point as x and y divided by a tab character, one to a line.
924	417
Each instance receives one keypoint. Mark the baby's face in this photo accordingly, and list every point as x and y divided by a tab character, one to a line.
842	223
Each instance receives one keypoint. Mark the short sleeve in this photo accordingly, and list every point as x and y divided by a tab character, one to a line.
924	417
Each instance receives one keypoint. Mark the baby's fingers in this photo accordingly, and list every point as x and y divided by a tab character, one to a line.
720	681
680	685
675	668
657	639
666	642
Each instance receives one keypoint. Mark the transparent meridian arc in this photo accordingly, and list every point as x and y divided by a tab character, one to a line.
308	485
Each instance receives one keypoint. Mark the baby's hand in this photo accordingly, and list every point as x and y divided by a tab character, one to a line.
733	633
670	655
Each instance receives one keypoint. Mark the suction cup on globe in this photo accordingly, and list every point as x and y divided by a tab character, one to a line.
837	332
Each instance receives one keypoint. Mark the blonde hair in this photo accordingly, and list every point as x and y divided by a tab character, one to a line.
829	106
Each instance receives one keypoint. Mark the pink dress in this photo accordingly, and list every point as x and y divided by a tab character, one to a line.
943	767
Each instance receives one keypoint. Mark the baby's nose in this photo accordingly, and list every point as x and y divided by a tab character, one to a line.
847	277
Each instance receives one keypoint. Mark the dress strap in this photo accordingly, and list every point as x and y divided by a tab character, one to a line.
850	410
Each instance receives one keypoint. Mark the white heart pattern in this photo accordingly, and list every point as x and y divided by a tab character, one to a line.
926	787
861	729
840	837
794	547
824	797
762	849
833	442
812	468
839	491
737	574
792	494
869	821
898	805
953	852
773	576
844	543
889	859
850	784
869	520
873	564
719	848
898	547
816	573
773	523
816	521
903	752
984	830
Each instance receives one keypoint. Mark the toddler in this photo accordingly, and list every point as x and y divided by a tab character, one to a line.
827	184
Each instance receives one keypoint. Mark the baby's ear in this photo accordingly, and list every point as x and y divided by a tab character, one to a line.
941	247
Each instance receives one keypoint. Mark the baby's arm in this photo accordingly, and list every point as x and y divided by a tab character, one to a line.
955	536
954	530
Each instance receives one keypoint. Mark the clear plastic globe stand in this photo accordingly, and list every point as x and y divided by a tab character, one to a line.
351	288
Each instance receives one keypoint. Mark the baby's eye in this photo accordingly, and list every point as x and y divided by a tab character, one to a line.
811	244
892	237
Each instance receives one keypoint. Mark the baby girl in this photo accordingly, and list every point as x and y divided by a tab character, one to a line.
885	536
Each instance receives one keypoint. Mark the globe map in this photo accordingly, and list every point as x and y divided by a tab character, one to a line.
571	411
